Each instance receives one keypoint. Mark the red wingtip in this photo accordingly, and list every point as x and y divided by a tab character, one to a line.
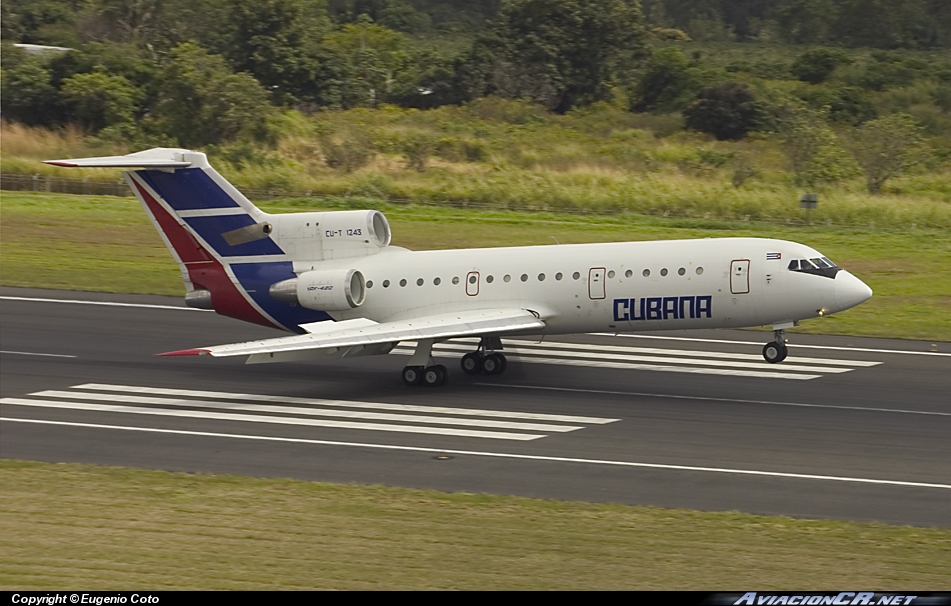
185	352
60	163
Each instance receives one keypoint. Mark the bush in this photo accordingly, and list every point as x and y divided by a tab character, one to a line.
887	147
815	66
727	112
347	151
418	149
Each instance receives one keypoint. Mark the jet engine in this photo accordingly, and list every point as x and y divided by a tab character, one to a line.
329	290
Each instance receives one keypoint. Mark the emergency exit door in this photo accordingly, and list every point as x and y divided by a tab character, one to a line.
740	277
596	283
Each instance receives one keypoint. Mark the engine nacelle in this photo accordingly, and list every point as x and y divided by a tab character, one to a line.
329	290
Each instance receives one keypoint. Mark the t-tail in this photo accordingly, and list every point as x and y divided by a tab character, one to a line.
235	258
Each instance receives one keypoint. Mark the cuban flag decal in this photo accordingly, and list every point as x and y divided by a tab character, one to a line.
774	256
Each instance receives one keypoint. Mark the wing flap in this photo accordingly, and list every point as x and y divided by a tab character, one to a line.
360	334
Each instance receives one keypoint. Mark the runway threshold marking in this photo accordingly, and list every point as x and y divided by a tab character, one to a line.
760	344
711	399
278	410
500	455
655	359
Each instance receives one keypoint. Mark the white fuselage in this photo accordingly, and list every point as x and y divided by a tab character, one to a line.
618	287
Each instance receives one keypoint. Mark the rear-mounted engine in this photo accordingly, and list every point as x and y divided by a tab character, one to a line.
331	290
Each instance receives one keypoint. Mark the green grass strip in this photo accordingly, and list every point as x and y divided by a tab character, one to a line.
72	525
107	244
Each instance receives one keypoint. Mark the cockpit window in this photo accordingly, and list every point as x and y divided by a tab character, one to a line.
820	266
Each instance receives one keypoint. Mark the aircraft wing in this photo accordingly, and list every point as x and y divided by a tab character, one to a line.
365	337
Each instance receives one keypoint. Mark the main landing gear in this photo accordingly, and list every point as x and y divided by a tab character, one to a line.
485	359
421	370
776	350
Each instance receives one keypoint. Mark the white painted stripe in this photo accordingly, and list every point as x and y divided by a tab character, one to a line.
106	303
30	353
760	344
224	416
710	399
472	412
297	410
634	366
692	353
576	355
500	455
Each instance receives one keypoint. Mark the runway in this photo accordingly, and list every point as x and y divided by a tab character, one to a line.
846	427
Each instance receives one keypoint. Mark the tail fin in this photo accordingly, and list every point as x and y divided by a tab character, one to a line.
220	240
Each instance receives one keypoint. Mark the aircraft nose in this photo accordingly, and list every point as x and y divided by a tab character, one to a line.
850	291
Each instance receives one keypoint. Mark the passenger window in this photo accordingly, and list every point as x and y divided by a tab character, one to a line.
403	282
369	283
558	276
524	278
386	283
575	276
541	277
611	274
437	281
646	273
628	273
507	278
455	280
419	282
699	271
489	279
663	271
681	271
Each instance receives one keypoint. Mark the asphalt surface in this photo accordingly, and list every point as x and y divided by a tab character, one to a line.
846	427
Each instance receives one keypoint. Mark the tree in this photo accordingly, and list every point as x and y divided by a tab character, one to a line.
562	53
727	112
887	147
277	41
806	21
203	102
668	83
816	154
374	55
100	100
817	65
28	95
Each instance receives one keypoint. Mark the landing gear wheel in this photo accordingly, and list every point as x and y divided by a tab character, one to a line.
494	364
775	352
413	375
472	363
434	376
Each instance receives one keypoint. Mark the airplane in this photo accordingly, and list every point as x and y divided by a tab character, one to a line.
334	279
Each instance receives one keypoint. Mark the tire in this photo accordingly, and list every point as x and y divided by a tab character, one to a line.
505	362
413	375
774	352
434	376
493	364
471	363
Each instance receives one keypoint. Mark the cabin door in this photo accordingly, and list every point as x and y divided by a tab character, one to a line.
596	283
740	277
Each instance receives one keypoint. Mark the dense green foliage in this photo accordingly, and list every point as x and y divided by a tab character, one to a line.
235	77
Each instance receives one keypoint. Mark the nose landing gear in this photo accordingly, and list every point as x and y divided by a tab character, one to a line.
485	359
775	351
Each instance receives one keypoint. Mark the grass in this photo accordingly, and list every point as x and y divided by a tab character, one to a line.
107	244
72	525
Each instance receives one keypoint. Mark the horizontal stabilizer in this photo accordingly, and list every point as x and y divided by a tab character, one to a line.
160	157
360	332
